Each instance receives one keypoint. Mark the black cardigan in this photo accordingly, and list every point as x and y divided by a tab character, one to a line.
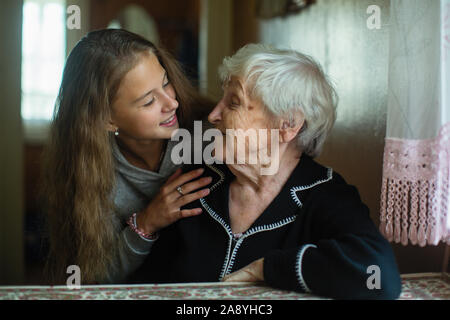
316	236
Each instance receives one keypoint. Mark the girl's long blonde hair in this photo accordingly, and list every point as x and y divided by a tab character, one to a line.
78	173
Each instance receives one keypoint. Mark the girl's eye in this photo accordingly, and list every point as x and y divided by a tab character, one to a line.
166	84
149	103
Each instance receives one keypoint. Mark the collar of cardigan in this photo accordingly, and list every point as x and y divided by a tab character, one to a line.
284	207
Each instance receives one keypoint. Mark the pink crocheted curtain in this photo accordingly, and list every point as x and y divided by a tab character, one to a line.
416	169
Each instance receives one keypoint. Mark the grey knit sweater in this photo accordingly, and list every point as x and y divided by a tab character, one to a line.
134	190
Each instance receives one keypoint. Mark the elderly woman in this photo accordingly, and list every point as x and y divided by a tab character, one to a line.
301	228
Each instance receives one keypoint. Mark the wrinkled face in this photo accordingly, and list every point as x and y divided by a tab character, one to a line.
145	104
239	117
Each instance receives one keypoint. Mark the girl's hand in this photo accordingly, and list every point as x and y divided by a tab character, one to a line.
164	209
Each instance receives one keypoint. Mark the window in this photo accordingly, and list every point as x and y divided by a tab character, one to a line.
43	57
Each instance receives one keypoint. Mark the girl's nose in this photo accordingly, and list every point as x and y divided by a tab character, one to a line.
169	103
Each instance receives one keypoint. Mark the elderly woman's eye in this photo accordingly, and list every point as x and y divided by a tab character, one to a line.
233	104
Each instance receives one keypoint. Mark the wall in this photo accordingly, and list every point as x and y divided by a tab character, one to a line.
335	33
11	154
225	26
171	16
216	36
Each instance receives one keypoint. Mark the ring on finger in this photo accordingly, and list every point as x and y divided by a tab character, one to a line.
180	191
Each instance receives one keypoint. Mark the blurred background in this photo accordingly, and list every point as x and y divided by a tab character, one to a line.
37	35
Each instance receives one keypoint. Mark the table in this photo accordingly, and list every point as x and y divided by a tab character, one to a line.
424	286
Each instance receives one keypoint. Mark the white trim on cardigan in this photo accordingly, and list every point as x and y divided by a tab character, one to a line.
254	230
298	267
300	188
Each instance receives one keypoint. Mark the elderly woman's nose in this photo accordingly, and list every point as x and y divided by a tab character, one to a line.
216	115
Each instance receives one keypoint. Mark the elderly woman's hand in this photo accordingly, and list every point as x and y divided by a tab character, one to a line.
250	273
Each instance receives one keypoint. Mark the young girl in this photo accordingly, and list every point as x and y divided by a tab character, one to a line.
109	183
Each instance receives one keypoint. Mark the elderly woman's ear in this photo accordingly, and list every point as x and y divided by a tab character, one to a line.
289	129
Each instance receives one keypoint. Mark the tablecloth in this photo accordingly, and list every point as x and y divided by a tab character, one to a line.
429	286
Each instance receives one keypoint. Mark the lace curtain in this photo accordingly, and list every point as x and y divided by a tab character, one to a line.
416	170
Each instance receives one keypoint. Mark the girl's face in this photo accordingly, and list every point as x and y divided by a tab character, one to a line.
145	105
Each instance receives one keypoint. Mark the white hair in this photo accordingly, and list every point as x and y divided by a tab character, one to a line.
287	82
